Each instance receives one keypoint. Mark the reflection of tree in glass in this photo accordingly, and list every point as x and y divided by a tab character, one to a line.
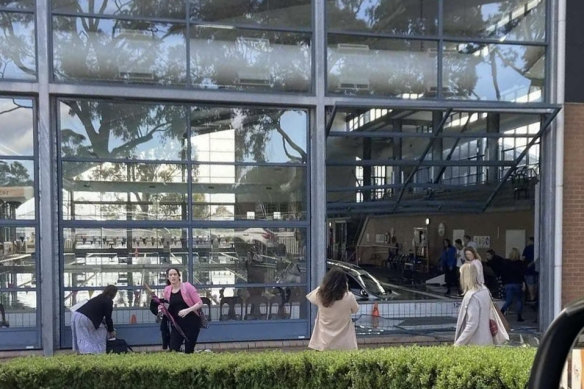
127	131
14	174
142	204
383	16
257	128
119	50
17	44
292	13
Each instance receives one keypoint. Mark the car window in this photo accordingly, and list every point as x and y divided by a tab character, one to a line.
353	284
371	285
572	376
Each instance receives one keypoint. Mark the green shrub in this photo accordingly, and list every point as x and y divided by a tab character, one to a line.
400	367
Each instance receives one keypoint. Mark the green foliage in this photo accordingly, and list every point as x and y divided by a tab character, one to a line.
404	367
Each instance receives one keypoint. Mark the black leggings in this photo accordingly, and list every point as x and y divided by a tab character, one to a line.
190	324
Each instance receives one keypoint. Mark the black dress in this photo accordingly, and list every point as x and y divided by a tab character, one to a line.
190	324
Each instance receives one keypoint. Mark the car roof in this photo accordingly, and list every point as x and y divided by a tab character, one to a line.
346	266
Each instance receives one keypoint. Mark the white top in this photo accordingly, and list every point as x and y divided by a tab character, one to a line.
479	265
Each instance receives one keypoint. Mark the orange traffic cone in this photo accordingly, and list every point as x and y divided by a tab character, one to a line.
375	315
133	319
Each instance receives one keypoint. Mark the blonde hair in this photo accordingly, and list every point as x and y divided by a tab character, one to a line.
469	277
473	251
514	254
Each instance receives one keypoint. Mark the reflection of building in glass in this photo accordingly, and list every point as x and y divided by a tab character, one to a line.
246	145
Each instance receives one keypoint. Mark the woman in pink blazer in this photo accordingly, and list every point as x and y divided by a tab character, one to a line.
183	302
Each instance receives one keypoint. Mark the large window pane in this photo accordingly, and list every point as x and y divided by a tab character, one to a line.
152	8
376	66
228	192
282	13
123	257
107	129
250	60
18	309
119	191
16	127
477	71
418	17
17	46
249	255
17	190
18	4
249	135
137	52
511	19
17	257
259	303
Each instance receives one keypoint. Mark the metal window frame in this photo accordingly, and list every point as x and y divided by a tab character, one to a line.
190	224
27	223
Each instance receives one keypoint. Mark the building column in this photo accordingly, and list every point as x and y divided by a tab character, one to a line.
47	250
318	229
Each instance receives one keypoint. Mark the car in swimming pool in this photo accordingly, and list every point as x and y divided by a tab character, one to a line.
361	283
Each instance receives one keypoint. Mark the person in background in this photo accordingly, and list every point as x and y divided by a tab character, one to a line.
164	324
530	272
512	275
448	264
474	258
4	322
183	303
333	328
89	334
459	253
468	242
472	326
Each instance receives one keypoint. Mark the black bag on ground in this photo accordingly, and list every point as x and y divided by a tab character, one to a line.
117	346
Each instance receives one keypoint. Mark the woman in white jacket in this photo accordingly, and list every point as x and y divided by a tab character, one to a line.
333	327
472	327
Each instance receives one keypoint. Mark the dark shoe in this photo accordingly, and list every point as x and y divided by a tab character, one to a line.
519	318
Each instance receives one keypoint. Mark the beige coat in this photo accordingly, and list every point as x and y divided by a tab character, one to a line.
472	326
333	327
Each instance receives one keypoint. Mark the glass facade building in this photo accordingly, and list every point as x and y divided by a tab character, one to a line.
218	136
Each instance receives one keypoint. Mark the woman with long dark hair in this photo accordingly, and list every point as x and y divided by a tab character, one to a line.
183	302
333	328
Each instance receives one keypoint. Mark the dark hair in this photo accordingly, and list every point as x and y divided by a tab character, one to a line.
333	287
447	241
491	251
458	241
467	237
173	268
110	291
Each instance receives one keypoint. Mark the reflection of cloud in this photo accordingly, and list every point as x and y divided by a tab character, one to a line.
16	129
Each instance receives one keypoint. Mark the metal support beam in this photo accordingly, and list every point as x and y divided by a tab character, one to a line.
549	118
452	149
330	120
318	229
493	126
47	253
436	132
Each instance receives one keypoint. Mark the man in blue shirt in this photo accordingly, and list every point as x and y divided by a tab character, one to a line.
448	263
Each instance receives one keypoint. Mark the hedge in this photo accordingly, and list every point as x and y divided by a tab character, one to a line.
443	367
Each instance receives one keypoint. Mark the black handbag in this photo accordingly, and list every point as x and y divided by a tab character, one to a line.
117	346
